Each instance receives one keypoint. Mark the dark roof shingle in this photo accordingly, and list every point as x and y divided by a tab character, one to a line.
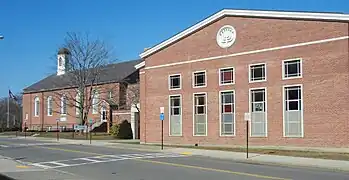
110	73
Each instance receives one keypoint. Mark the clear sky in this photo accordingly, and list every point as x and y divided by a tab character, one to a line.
35	29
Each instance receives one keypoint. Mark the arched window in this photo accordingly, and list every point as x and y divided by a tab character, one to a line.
49	106
63	105
36	106
103	114
60	61
95	101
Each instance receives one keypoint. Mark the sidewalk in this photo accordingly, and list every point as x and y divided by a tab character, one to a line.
236	156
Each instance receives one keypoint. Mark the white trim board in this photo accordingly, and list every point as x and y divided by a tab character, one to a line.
179	62
250	13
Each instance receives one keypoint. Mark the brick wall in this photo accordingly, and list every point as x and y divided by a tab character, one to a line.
44	120
325	81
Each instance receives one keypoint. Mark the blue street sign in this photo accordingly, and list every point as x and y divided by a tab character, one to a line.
162	117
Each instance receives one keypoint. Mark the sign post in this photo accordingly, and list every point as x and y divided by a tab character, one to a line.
57	130
247	119
162	117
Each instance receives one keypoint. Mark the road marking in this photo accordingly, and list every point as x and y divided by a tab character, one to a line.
91	160
22	167
211	169
4	146
171	164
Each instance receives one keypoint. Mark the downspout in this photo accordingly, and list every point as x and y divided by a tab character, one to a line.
30	111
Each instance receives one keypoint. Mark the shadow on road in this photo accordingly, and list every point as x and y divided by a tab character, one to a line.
3	177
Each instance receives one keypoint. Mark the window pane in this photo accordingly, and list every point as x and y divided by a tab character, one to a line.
293	105
257	72
175	101
175	111
227	118
175	81
227	75
292	68
258	96
228	108
199	79
200	100
227	97
200	110
293	94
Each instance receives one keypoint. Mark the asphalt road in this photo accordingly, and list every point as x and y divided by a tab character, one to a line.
35	160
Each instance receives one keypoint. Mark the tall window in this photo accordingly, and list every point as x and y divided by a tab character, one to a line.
49	106
95	101
103	114
293	116
63	105
199	79
226	76
258	112
78	104
110	94
175	81
175	115
292	68
227	101
200	112
36	106
257	72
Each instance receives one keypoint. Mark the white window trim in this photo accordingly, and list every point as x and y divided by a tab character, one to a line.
194	111
219	76
283	69
193	79
249	72
35	106
48	107
64	96
95	95
220	114
284	109
77	103
169	115
266	110
180	82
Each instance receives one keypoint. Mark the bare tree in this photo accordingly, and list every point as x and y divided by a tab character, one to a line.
14	113
86	61
134	95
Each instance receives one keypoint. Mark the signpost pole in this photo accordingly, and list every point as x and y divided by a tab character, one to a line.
90	130
247	119
247	130
73	131
162	117
162	134
57	132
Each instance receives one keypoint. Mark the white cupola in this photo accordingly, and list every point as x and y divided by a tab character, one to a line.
62	61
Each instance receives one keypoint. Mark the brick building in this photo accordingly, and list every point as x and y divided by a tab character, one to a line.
290	70
46	101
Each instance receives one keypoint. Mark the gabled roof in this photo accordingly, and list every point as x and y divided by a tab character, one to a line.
109	74
247	13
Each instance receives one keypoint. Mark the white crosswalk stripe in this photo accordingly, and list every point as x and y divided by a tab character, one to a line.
3	146
101	159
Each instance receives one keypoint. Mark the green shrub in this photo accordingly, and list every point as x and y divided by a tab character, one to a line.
125	130
114	130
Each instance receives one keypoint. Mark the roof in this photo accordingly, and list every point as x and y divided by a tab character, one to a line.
110	73
247	13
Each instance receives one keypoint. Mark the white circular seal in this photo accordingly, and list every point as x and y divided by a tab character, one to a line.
226	36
